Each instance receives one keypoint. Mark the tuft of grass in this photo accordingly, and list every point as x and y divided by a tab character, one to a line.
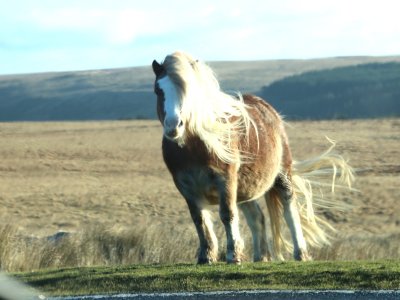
95	246
188	277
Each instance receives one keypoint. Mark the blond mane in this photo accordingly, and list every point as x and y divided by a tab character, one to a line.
216	117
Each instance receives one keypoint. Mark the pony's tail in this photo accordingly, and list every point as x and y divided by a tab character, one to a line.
323	172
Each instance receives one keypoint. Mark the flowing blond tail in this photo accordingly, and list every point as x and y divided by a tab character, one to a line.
320	173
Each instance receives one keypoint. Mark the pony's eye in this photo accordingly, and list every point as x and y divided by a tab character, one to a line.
160	94
158	91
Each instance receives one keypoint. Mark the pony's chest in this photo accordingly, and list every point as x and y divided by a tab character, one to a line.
198	183
191	169
177	158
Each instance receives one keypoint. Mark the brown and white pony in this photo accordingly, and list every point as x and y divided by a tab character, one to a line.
231	150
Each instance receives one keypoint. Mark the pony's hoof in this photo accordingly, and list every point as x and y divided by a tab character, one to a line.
262	259
302	255
234	262
205	261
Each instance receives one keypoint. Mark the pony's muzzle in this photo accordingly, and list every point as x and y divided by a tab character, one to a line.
172	133
173	130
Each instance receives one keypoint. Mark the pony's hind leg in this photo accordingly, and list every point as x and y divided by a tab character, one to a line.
208	250
256	220
291	214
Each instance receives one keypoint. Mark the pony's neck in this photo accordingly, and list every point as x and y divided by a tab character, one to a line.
217	119
214	116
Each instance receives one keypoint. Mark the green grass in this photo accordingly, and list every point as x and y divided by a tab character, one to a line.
188	277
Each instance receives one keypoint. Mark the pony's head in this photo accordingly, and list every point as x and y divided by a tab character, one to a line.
190	102
170	88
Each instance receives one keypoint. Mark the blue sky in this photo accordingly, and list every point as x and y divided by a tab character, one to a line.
63	35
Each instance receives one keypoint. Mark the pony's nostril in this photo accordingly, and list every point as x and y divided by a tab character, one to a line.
172	133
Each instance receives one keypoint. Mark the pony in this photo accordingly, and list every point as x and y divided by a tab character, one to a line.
230	150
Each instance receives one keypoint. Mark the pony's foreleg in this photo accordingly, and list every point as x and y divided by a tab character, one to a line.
230	218
292	218
256	220
208	250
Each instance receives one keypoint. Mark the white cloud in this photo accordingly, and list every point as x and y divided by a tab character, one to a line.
109	32
65	18
126	26
114	26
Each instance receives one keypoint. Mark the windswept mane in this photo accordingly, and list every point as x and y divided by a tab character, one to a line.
216	117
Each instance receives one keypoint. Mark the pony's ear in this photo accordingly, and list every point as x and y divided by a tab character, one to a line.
157	68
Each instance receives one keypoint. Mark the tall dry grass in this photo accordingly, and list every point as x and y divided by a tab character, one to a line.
155	244
94	246
361	247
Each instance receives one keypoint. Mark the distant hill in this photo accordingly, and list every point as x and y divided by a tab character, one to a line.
362	91
91	95
127	93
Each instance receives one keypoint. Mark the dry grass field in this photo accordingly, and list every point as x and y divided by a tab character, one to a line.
106	184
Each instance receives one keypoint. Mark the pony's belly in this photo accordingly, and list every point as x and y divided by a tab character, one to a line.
254	180
203	184
255	187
